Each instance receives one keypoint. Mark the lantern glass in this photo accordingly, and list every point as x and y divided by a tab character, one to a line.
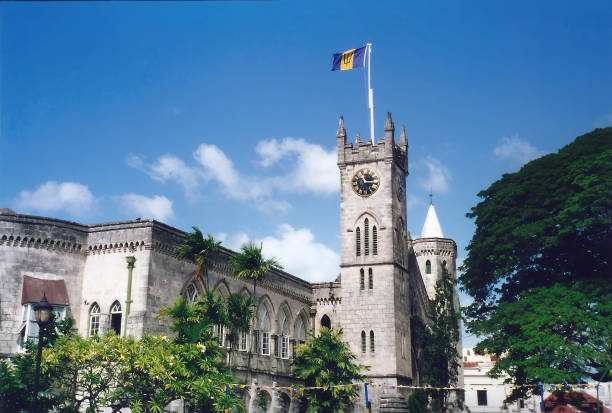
42	311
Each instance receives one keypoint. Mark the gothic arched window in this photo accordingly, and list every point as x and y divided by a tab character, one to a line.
374	240
371	341
361	279
191	293
325	321
115	321
263	325
366	237
363	342
94	319
428	267
370	279
358	241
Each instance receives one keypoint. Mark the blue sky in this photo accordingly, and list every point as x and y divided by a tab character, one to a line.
223	114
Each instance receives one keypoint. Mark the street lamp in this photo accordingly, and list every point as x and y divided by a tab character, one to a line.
42	312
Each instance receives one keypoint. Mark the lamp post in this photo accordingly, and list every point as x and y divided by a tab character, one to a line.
42	312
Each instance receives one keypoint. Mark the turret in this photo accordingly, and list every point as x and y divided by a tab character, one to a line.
389	134
434	252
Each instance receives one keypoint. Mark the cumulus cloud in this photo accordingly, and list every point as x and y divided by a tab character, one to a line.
315	168
438	176
52	196
297	251
516	149
233	242
169	168
312	169
157	207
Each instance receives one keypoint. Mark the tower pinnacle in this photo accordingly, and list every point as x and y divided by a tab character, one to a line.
341	131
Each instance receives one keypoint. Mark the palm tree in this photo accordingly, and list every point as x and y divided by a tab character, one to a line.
198	249
239	316
250	263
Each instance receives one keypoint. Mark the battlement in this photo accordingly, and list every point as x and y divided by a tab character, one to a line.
365	151
435	246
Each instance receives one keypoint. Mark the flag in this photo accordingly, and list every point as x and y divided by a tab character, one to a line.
349	59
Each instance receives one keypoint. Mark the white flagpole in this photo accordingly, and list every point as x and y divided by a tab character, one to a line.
370	93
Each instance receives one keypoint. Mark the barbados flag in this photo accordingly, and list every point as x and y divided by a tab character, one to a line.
349	59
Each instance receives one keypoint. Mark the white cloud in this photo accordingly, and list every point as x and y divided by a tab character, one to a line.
157	207
170	168
233	242
296	250
273	206
300	254
439	177
315	168
71	197
516	149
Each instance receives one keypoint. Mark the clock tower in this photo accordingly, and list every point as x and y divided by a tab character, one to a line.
374	268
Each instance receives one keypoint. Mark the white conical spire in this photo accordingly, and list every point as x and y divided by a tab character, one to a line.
432	228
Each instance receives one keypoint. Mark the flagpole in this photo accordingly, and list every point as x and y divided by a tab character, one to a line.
370	94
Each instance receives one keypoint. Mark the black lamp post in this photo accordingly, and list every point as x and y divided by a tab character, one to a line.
42	312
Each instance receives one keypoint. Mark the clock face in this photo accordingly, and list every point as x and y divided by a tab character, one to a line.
365	182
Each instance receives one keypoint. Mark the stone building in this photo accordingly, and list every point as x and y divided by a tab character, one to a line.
115	276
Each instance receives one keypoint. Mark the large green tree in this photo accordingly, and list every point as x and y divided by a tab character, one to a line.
544	234
198	249
326	360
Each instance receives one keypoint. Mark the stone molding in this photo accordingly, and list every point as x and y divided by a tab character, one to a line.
40	243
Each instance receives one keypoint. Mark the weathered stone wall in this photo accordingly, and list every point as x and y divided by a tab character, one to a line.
44	248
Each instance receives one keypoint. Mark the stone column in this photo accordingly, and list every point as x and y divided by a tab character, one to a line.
131	261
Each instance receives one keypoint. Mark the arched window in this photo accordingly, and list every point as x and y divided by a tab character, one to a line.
371	341
191	293
363	342
325	321
263	324
282	343
366	237
428	267
370	279
358	241
361	279
94	319
444	266
115	320
374	240
300	331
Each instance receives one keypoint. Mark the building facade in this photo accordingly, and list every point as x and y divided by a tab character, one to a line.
116	276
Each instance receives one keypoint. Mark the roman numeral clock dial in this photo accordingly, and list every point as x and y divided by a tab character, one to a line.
365	182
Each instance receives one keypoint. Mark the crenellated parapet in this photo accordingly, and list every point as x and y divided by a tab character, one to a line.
367	151
444	247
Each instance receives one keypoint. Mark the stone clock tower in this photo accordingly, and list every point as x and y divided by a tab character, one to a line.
375	274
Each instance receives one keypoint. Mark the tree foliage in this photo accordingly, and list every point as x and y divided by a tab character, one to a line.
546	232
327	361
198	249
438	340
17	374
